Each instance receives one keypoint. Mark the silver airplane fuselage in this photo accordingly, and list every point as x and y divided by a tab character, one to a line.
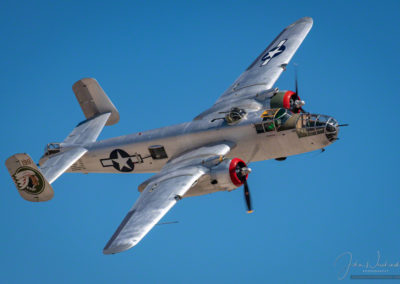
131	153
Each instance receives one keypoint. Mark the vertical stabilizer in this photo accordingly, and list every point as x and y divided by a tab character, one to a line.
28	179
93	100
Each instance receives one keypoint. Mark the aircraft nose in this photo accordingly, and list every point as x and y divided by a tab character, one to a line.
331	129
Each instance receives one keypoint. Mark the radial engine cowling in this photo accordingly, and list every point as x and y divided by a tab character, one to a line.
229	174
287	99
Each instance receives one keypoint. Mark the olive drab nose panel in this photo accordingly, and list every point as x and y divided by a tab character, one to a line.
28	179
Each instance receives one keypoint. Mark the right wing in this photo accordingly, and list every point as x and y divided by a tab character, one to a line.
161	193
154	202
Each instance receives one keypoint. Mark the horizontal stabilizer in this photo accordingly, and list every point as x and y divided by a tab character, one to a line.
72	148
93	100
87	131
59	163
29	180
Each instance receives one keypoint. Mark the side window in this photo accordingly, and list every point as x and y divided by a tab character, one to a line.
259	128
269	126
265	127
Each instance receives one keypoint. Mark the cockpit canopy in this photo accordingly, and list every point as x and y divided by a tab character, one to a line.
277	119
306	124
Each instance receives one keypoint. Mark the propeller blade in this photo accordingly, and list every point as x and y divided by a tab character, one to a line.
295	81
247	197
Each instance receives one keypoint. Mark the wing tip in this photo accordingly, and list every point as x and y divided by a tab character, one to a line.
110	249
306	20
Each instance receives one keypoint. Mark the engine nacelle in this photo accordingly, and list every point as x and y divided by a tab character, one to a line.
229	174
287	99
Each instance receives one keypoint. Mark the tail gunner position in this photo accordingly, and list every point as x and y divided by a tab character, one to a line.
251	121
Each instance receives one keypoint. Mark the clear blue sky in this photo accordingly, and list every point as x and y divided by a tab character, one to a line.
163	63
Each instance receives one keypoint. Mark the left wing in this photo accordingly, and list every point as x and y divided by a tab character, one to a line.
162	192
262	74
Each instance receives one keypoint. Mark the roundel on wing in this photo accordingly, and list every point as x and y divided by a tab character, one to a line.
274	52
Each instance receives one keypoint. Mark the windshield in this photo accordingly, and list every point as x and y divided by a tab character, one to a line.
311	124
306	124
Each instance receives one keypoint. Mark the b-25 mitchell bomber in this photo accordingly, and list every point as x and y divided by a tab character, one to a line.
251	121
